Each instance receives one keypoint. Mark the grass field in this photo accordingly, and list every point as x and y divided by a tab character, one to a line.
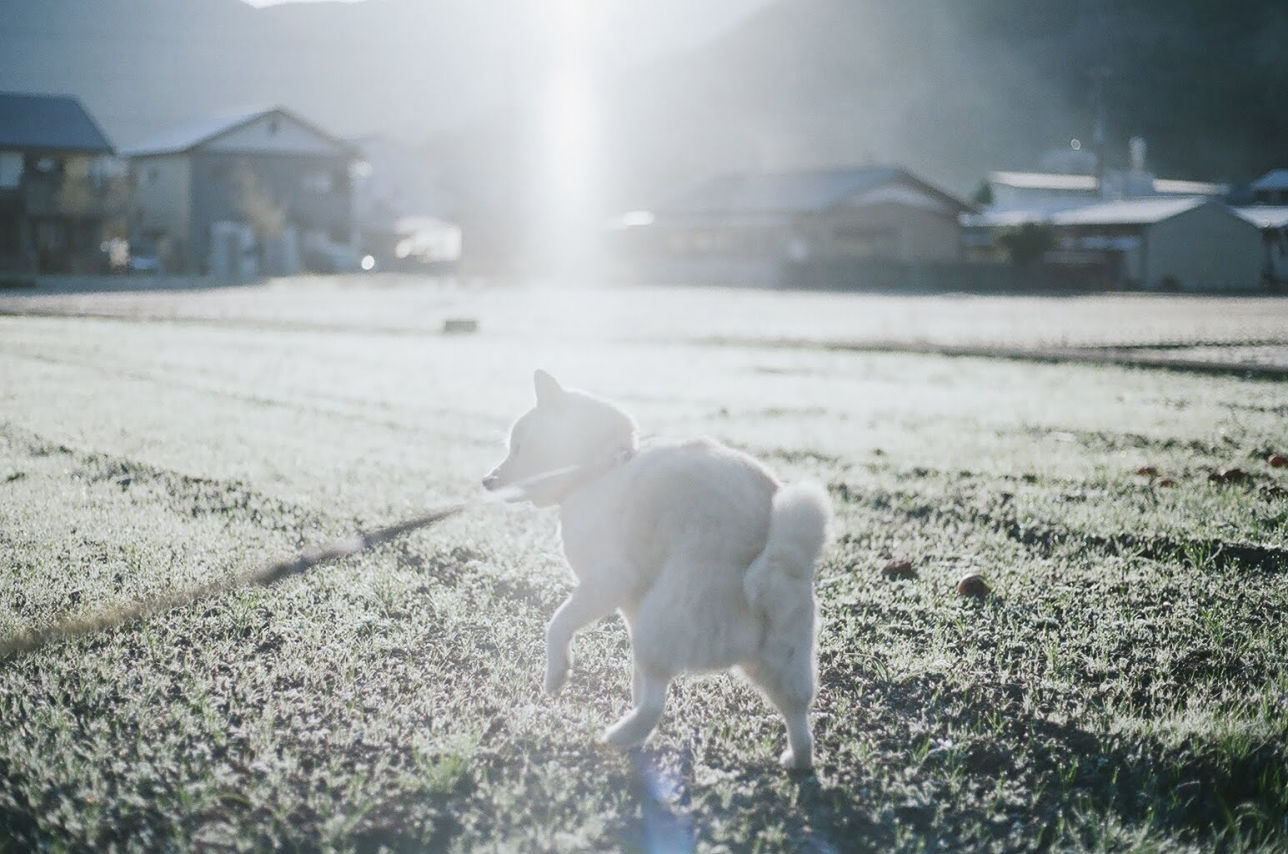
1124	688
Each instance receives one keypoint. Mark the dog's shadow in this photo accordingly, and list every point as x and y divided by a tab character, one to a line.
1141	781
664	797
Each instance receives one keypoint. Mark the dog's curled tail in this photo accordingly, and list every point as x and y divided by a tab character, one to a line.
797	532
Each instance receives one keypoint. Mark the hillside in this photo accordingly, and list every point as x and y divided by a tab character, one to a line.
953	89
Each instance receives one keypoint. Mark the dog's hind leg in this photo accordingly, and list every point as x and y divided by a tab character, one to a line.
648	691
787	678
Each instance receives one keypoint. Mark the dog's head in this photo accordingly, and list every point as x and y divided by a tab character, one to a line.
566	434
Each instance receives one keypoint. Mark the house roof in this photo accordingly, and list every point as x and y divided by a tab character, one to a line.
1128	211
1046	181
801	191
1181	187
1007	218
1275	179
193	134
1265	216
1069	183
48	123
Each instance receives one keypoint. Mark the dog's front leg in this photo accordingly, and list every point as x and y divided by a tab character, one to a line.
583	607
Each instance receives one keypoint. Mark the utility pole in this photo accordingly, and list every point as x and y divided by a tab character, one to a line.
1100	75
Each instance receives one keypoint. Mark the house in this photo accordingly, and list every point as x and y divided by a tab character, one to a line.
1190	243
1268	211
257	192
1017	199
404	219
56	185
772	228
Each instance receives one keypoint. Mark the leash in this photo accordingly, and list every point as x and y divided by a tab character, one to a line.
32	640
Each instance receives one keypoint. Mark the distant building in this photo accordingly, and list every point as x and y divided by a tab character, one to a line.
1090	254
1014	198
772	228
55	185
1189	244
1272	220
260	192
404	219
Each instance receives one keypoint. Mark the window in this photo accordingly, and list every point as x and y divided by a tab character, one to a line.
861	242
318	181
10	170
8	235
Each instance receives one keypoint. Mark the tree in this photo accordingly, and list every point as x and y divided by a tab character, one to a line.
1026	244
983	195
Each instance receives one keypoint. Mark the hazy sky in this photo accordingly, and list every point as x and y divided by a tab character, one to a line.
410	68
275	2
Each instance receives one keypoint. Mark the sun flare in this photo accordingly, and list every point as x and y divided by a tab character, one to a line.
568	121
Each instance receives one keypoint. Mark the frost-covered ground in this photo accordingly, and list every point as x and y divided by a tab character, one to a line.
408	304
1124	687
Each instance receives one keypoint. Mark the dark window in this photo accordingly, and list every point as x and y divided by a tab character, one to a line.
8	235
864	242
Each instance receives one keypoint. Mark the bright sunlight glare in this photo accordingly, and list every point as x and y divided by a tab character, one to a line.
569	117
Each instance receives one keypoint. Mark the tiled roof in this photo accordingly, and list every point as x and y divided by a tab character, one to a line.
48	123
1275	179
789	192
1128	211
191	134
1265	216
195	133
1046	181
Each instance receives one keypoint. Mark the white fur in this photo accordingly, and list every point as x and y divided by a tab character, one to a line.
708	558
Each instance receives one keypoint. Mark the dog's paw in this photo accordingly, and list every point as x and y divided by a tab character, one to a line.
623	736
792	762
556	677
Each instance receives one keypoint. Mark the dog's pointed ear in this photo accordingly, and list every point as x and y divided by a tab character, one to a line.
549	392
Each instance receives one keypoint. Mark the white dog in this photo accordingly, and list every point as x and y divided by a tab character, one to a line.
706	555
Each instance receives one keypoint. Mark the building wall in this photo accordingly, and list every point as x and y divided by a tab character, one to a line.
54	209
893	232
758	249
1275	262
160	204
273	192
1208	248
